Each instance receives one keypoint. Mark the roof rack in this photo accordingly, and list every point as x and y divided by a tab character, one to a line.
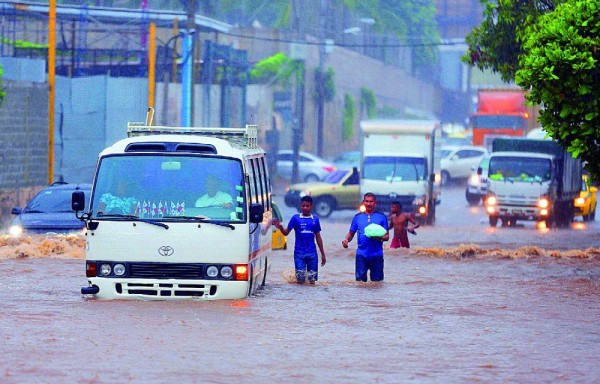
250	132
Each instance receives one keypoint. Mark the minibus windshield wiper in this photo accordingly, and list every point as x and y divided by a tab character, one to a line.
132	217
201	219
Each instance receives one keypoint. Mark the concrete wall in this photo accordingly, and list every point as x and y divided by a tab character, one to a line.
23	145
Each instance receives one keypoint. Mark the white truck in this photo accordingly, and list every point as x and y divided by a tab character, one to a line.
531	180
400	161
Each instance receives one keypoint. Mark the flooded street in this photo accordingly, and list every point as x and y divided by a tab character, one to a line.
468	303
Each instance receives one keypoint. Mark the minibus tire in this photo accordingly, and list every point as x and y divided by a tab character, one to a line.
264	280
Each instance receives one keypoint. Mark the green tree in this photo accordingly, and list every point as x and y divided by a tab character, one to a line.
349	115
277	69
328	79
495	44
2	93
561	68
368	102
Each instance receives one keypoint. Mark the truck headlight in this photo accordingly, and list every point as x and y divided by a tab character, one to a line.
491	200
543	203
474	180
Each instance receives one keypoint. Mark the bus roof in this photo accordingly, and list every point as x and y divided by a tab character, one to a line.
233	142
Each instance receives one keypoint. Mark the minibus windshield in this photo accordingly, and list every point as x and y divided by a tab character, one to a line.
169	188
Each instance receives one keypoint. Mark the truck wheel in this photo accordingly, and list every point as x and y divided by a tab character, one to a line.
472	199
445	178
493	221
549	221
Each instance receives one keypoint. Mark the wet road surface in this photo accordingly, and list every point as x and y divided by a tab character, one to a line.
467	303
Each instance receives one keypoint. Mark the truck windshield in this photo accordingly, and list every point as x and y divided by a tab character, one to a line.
394	168
524	169
169	188
498	121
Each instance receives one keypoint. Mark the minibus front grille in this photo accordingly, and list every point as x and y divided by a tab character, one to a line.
166	271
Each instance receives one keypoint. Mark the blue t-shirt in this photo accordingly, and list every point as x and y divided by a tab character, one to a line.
305	228
368	247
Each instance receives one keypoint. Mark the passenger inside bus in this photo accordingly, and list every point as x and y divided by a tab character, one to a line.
214	197
119	199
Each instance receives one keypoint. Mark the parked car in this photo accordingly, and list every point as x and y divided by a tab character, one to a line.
347	160
477	182
339	190
458	162
310	167
49	211
585	204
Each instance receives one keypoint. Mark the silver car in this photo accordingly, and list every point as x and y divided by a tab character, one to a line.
310	167
477	183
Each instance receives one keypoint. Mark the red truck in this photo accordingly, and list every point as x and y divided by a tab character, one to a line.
501	113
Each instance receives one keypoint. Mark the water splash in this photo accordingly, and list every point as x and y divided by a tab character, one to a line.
39	246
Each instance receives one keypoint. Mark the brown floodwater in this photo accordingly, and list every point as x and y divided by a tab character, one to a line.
444	314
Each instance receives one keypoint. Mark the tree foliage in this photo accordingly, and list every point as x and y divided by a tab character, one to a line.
495	44
328	79
2	93
349	116
560	65
368	102
277	69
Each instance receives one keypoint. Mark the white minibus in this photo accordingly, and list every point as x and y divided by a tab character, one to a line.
178	213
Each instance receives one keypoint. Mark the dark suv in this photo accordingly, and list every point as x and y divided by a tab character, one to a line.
49	211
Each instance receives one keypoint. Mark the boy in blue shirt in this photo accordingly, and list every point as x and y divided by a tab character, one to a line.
308	229
369	253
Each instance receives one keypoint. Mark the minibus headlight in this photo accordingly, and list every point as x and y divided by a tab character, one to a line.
543	203
105	269
422	210
119	269
579	201
226	272
212	271
491	200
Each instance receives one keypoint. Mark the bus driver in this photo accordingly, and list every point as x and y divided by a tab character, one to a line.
213	197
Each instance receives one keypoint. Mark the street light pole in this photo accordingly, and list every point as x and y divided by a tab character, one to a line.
320	80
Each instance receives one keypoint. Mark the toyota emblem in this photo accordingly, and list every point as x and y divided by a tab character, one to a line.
165	250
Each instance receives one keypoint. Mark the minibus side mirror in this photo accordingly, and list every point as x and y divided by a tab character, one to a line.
78	201
256	213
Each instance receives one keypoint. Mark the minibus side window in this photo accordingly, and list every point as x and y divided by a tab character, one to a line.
265	178
256	182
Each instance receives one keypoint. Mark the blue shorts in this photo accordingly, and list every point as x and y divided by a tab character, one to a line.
306	265
365	264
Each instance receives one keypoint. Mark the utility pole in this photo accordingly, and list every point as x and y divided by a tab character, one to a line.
188	47
320	80
51	86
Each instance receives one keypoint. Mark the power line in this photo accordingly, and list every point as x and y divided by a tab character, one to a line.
321	43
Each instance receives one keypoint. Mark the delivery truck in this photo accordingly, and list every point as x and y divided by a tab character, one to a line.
531	179
400	161
501	113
